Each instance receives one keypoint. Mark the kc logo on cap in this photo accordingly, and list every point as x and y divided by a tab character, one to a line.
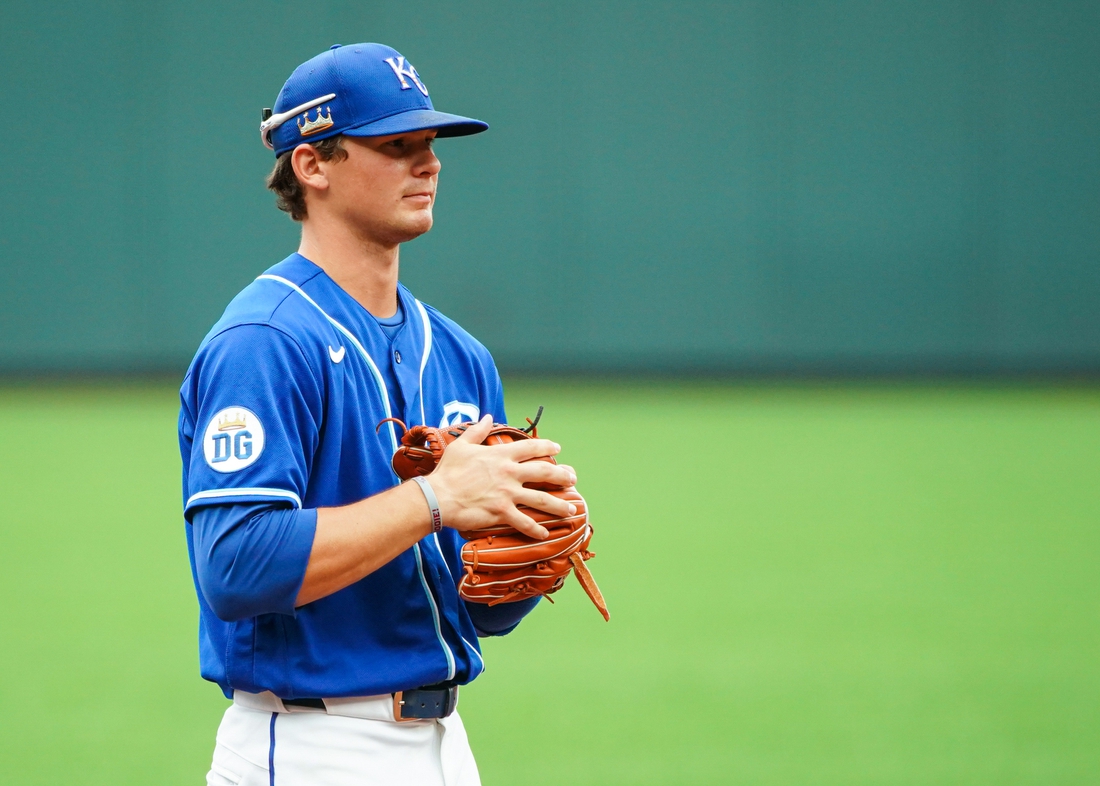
402	69
356	90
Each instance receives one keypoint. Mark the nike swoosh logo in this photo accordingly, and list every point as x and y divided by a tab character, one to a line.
336	356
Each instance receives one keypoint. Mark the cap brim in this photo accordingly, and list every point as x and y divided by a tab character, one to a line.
419	120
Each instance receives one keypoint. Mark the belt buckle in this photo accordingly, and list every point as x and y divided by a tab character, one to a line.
401	699
398	703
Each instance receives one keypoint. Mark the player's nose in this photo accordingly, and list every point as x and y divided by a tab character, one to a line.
428	163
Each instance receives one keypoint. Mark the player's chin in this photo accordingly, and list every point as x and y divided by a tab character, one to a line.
415	223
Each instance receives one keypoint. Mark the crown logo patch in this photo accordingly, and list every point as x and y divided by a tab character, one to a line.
320	123
227	423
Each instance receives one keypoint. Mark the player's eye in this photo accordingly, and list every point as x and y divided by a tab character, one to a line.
406	145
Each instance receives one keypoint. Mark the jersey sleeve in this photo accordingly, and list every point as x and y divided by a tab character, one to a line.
251	559
502	619
251	420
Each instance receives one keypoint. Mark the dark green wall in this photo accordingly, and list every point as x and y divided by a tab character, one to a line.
765	186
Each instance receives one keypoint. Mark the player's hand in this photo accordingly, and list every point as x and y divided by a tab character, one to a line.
479	486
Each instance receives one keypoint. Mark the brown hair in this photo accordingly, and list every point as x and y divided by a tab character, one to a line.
290	197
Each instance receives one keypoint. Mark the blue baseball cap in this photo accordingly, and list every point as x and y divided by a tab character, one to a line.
356	90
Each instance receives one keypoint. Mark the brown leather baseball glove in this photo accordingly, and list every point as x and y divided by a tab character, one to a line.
502	564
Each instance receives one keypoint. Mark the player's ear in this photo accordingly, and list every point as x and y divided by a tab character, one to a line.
307	167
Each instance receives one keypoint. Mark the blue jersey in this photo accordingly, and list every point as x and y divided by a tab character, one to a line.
280	406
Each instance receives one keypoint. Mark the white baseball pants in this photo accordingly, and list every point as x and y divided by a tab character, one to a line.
260	747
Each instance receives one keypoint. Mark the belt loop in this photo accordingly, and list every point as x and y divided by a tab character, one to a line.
264	702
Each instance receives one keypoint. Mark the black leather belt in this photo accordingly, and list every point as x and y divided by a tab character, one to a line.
431	701
313	704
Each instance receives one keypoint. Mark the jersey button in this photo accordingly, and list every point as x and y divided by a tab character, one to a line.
397	356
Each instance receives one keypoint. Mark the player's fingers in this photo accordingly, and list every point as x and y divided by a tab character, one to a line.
536	471
477	433
527	525
530	448
547	503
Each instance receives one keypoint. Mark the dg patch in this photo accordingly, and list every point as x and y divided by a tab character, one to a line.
234	439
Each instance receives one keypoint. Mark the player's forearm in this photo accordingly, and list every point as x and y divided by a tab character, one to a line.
355	540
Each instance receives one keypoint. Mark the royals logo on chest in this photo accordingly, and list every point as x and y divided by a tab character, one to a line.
459	412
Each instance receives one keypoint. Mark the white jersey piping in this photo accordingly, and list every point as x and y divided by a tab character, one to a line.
244	492
473	649
378	380
435	537
384	391
435	613
424	358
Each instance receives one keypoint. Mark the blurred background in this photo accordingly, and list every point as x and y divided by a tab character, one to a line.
811	291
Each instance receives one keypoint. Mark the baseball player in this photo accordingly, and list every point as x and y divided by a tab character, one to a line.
327	588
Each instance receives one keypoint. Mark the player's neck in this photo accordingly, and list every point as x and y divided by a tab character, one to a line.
365	269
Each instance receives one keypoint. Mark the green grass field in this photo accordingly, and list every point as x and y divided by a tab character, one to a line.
808	585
